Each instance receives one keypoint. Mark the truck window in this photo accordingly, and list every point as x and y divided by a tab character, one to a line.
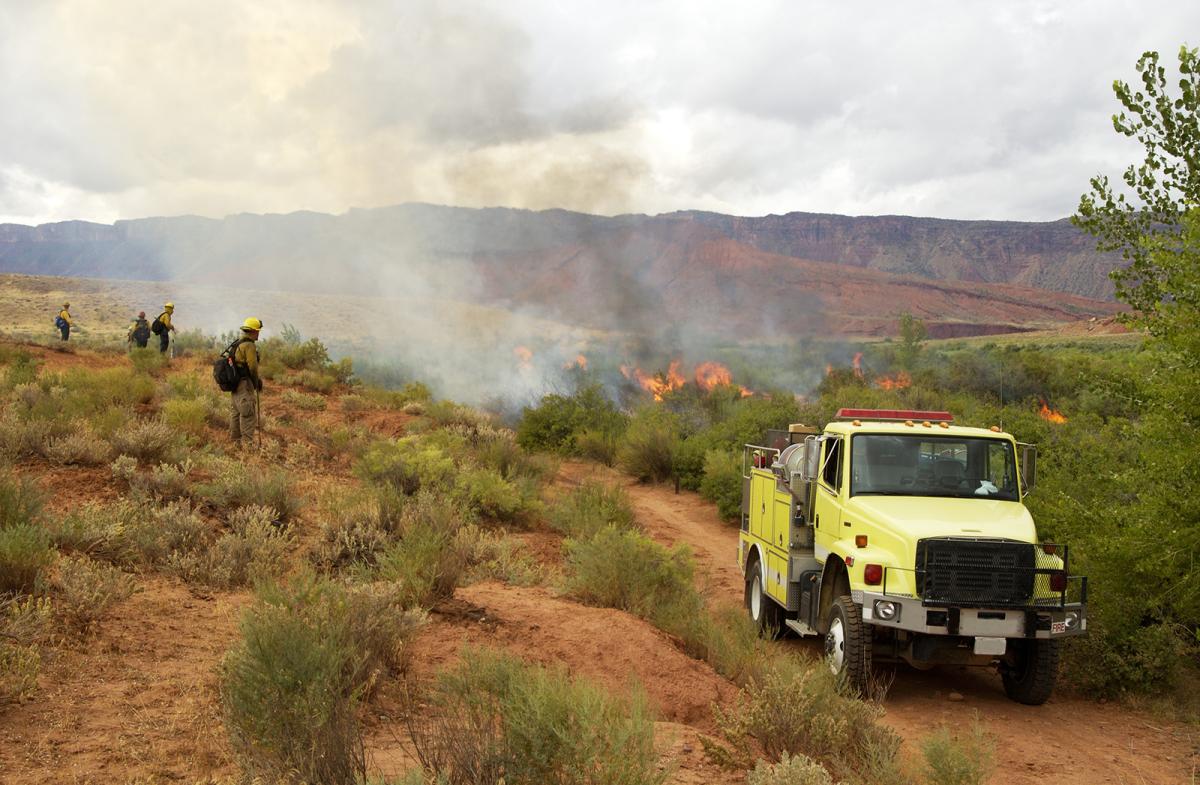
831	469
903	465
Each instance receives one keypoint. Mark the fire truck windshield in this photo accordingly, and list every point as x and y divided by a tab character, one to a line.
928	465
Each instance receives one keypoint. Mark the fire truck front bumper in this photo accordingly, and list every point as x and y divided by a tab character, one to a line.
913	615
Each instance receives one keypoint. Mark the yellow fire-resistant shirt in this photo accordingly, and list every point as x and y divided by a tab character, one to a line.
165	318
245	356
66	316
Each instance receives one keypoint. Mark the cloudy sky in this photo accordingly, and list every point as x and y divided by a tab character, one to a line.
127	108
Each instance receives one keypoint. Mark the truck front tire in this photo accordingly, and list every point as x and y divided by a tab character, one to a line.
763	610
848	643
1030	677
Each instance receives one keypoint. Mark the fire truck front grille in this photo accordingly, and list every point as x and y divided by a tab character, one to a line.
972	572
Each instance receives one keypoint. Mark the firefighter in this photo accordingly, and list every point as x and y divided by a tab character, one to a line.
63	321
243	413
165	328
139	331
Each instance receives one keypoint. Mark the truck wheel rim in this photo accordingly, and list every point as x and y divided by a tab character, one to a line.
756	599
835	645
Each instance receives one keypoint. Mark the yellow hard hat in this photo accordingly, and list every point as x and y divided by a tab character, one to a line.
66	305
252	324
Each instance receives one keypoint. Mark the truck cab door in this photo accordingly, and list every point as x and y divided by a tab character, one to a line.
827	504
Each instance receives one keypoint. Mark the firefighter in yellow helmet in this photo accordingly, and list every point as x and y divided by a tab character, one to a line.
243	414
63	322
163	328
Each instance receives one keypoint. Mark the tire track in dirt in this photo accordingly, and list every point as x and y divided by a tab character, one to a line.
1069	740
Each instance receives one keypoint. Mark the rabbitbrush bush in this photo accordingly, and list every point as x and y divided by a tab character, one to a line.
799	708
583	512
494	718
628	571
24	553
85	589
309	651
254	549
647	448
790	770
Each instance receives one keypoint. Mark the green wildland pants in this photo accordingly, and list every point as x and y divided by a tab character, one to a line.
243	412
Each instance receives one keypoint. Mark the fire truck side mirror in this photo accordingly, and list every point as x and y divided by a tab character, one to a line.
1028	468
812	457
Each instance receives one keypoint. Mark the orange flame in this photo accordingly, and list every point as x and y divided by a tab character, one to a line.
658	384
829	369
579	362
857	364
710	374
1051	415
524	357
898	382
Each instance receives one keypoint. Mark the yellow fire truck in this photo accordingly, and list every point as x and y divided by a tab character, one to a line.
897	535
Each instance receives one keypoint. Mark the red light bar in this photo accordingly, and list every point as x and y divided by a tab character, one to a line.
899	415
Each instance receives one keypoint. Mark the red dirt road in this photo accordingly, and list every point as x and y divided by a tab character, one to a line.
1069	740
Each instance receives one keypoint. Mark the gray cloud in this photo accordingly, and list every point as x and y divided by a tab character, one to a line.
121	108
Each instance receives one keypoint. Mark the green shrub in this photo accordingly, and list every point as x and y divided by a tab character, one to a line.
27	438
799	709
647	449
195	341
22	369
494	718
24	625
235	485
79	447
485	492
425	565
164	482
150	441
130	533
20	501
407	465
85	590
583	512
309	651
600	446
958	758
148	360
24	552
627	570
308	403
187	415
352	403
790	770
19	668
253	550
349	540
288	700
722	483
498	556
558	421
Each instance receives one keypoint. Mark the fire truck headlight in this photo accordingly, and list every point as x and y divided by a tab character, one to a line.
887	610
1071	620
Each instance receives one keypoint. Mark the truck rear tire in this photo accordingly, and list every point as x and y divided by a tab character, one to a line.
1030	678
848	643
763	610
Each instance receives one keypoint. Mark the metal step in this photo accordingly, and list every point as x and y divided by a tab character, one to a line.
800	628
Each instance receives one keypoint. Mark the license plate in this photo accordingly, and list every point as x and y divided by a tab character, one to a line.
1058	627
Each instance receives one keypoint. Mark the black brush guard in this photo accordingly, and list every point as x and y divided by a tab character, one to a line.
972	572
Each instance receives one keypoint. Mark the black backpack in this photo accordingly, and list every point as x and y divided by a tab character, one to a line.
225	373
141	330
157	327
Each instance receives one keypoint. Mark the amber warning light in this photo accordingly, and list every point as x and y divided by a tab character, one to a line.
899	415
